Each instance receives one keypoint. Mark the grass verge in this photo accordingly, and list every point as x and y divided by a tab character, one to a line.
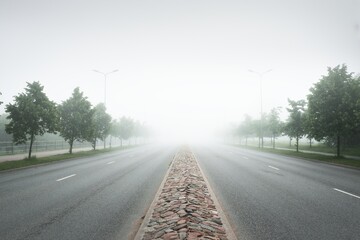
35	161
311	156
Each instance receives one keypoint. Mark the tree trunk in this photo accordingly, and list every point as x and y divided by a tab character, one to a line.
31	144
273	142
104	142
246	141
338	146
120	142
110	141
94	144
297	144
71	143
310	142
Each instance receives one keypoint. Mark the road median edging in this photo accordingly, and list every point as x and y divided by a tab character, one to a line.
185	207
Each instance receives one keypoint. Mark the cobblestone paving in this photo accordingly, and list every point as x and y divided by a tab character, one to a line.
184	209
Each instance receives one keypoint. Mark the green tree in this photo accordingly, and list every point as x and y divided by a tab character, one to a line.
275	125
138	130
100	125
295	126
333	106
308	127
75	118
31	115
4	137
113	132
126	128
246	128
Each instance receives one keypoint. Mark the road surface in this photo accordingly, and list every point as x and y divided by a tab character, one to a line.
100	197
268	196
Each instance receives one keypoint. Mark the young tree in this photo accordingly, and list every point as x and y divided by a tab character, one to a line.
137	130
75	118
247	127
333	106
113	132
308	127
274	124
126	128
100	125
295	126
31	115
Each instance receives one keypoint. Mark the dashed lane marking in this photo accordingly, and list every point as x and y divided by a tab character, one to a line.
60	179
110	162
275	168
350	194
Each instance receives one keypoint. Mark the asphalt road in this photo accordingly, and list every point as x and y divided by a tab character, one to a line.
101	197
267	196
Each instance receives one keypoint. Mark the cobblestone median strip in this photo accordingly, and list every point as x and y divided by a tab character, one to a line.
185	207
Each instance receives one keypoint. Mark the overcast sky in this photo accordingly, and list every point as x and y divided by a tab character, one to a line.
183	65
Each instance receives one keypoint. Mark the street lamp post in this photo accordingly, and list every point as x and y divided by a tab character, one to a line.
105	77
260	74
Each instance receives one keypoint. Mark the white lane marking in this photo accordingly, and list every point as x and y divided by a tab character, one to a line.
274	168
245	158
353	195
110	162
60	179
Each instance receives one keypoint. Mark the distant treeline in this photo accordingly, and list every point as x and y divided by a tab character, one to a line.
330	114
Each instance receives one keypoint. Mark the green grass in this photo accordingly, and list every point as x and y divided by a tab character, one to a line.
309	156
35	161
316	147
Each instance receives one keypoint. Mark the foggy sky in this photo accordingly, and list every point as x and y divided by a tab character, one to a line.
183	65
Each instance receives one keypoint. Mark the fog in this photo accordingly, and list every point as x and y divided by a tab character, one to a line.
183	66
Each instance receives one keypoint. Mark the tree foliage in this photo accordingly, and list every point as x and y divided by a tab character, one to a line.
274	124
246	128
126	128
75	118
32	114
333	106
295	126
100	125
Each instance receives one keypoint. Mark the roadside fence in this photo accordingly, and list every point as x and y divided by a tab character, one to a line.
10	148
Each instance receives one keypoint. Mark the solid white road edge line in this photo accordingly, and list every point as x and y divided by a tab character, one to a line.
274	168
60	179
353	195
110	162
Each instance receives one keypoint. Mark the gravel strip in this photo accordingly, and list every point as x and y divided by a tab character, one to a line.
184	208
